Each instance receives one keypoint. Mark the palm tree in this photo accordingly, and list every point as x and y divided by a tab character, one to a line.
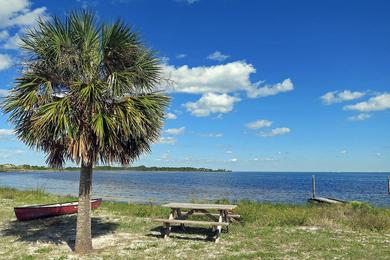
87	93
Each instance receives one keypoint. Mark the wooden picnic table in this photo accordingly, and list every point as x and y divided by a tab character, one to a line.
219	220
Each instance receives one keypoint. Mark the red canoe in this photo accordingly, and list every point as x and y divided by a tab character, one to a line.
50	210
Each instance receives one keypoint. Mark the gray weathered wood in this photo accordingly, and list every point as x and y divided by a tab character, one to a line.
313	186
235	216
199	206
388	185
326	200
190	222
167	226
219	228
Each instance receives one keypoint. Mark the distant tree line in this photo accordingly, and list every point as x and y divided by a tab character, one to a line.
26	167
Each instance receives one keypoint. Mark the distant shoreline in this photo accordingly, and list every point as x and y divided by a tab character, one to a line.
142	168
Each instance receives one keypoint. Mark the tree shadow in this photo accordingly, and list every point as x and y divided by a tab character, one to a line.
188	233
57	230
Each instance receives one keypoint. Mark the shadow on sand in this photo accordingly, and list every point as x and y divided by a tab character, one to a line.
57	230
188	233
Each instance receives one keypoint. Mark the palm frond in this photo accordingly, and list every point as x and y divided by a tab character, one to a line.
86	92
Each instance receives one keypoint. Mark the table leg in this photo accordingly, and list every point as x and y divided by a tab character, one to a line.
226	219
219	228
167	226
180	216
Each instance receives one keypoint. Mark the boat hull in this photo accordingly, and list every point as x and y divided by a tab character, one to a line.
50	210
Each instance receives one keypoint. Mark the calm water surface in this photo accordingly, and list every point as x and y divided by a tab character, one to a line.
160	187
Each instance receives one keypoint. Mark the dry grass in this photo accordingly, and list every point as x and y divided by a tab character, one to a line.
123	231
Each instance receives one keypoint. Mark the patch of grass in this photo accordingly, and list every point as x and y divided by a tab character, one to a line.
266	231
136	210
33	196
43	250
350	216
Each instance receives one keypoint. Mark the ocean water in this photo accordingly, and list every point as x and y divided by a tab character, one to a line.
161	187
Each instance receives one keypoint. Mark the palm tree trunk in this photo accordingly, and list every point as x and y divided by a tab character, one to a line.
83	231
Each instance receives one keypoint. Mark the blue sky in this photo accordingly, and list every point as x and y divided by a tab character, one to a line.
259	85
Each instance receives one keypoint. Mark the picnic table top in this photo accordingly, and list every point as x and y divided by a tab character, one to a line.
199	206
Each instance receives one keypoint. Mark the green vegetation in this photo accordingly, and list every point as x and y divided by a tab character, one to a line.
26	167
267	231
87	92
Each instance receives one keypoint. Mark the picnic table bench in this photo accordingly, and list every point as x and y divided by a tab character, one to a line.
219	220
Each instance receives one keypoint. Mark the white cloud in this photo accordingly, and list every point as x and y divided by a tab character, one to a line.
84	3
6	132
343	152
181	56
19	13
218	56
265	159
233	160
28	17
164	157
359	117
165	60
170	116
259	124
271	90
378	103
340	96
4	35
175	131
190	2
4	92
10	153
229	152
5	61
167	140
12	43
211	103
224	78
276	132
212	135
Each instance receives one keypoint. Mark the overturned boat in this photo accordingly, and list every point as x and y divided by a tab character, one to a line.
51	210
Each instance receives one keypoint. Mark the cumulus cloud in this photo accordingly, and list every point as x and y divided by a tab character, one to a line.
181	56
10	153
12	43
164	60
224	78
265	159
271	90
233	160
5	61
4	92
6	132
175	131
378	103
167	140
276	132
212	135
211	103
4	35
190	2
341	96
18	13
359	117
259	124
218	56
170	116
